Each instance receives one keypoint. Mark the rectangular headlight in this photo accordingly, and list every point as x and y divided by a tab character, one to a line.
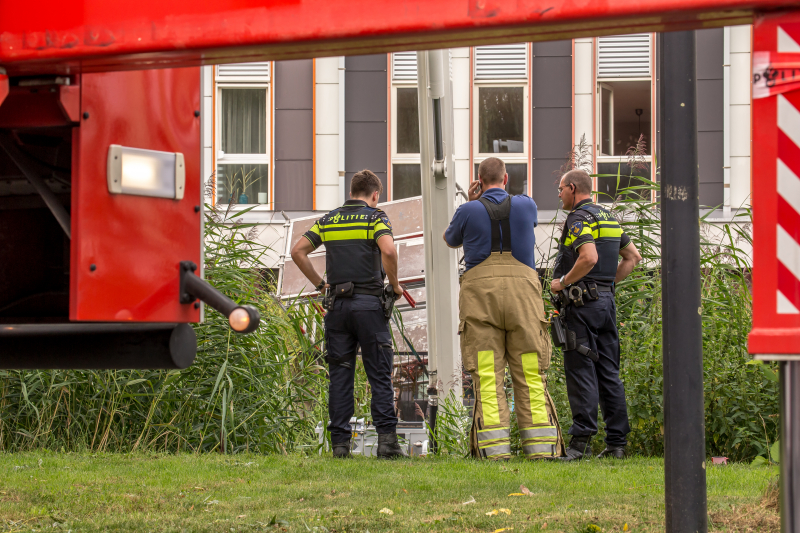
145	172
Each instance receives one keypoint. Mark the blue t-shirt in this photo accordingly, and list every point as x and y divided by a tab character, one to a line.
471	226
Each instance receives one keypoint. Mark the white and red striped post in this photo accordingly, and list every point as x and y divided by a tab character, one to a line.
776	231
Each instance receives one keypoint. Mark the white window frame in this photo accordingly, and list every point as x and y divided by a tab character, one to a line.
396	158
611	81
521	157
220	158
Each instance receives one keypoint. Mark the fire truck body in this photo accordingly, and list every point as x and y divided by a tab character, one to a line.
74	252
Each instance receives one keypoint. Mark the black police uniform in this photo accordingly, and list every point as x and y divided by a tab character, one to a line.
595	325
350	235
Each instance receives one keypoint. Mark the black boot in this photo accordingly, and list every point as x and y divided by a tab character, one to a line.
617	452
578	449
341	450
388	447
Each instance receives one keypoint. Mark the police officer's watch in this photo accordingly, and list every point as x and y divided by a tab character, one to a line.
320	286
561	281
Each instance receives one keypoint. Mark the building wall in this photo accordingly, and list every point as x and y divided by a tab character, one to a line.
710	111
462	80
366	112
294	155
551	117
326	131
739	112
331	117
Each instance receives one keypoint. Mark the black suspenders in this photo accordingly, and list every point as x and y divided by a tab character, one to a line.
500	215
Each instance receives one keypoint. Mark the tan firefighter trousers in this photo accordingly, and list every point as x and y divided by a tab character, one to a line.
502	322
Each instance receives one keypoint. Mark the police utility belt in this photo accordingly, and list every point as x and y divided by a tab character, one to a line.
576	294
386	295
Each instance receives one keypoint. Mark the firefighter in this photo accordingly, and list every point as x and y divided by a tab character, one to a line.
359	255
501	318
588	248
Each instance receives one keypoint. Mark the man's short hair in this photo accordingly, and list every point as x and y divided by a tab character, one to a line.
492	170
364	184
579	178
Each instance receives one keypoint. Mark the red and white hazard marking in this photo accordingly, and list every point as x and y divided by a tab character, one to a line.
778	71
788	206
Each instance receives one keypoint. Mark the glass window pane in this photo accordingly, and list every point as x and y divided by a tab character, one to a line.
407	126
517	177
243	184
625	115
621	173
406	181
501	120
243	121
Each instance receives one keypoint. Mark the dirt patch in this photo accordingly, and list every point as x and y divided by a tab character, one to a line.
744	519
772	495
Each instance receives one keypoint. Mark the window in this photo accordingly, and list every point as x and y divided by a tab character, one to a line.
501	117
406	176
242	136
624	110
500	110
625	114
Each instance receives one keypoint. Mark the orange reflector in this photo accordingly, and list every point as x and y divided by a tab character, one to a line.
239	319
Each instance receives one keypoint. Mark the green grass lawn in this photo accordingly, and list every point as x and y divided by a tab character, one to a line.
75	492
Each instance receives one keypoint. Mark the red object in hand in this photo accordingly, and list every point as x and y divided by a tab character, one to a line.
409	299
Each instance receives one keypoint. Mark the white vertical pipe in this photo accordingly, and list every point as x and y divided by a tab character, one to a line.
726	121
441	272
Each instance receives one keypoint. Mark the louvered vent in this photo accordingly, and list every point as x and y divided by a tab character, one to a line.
501	62
404	66
244	70
624	56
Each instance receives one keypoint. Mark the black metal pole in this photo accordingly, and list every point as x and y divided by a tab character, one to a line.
790	446
684	435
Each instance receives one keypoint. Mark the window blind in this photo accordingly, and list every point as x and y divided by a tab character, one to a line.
404	66
501	62
624	56
244	70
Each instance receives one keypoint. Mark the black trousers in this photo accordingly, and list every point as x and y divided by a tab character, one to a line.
354	322
590	383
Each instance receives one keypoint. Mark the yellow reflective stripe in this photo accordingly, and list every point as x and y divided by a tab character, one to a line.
585	230
614	233
315	228
349	235
379	226
530	366
491	410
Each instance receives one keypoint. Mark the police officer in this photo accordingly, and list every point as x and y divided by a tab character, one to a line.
588	248
501	318
359	254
